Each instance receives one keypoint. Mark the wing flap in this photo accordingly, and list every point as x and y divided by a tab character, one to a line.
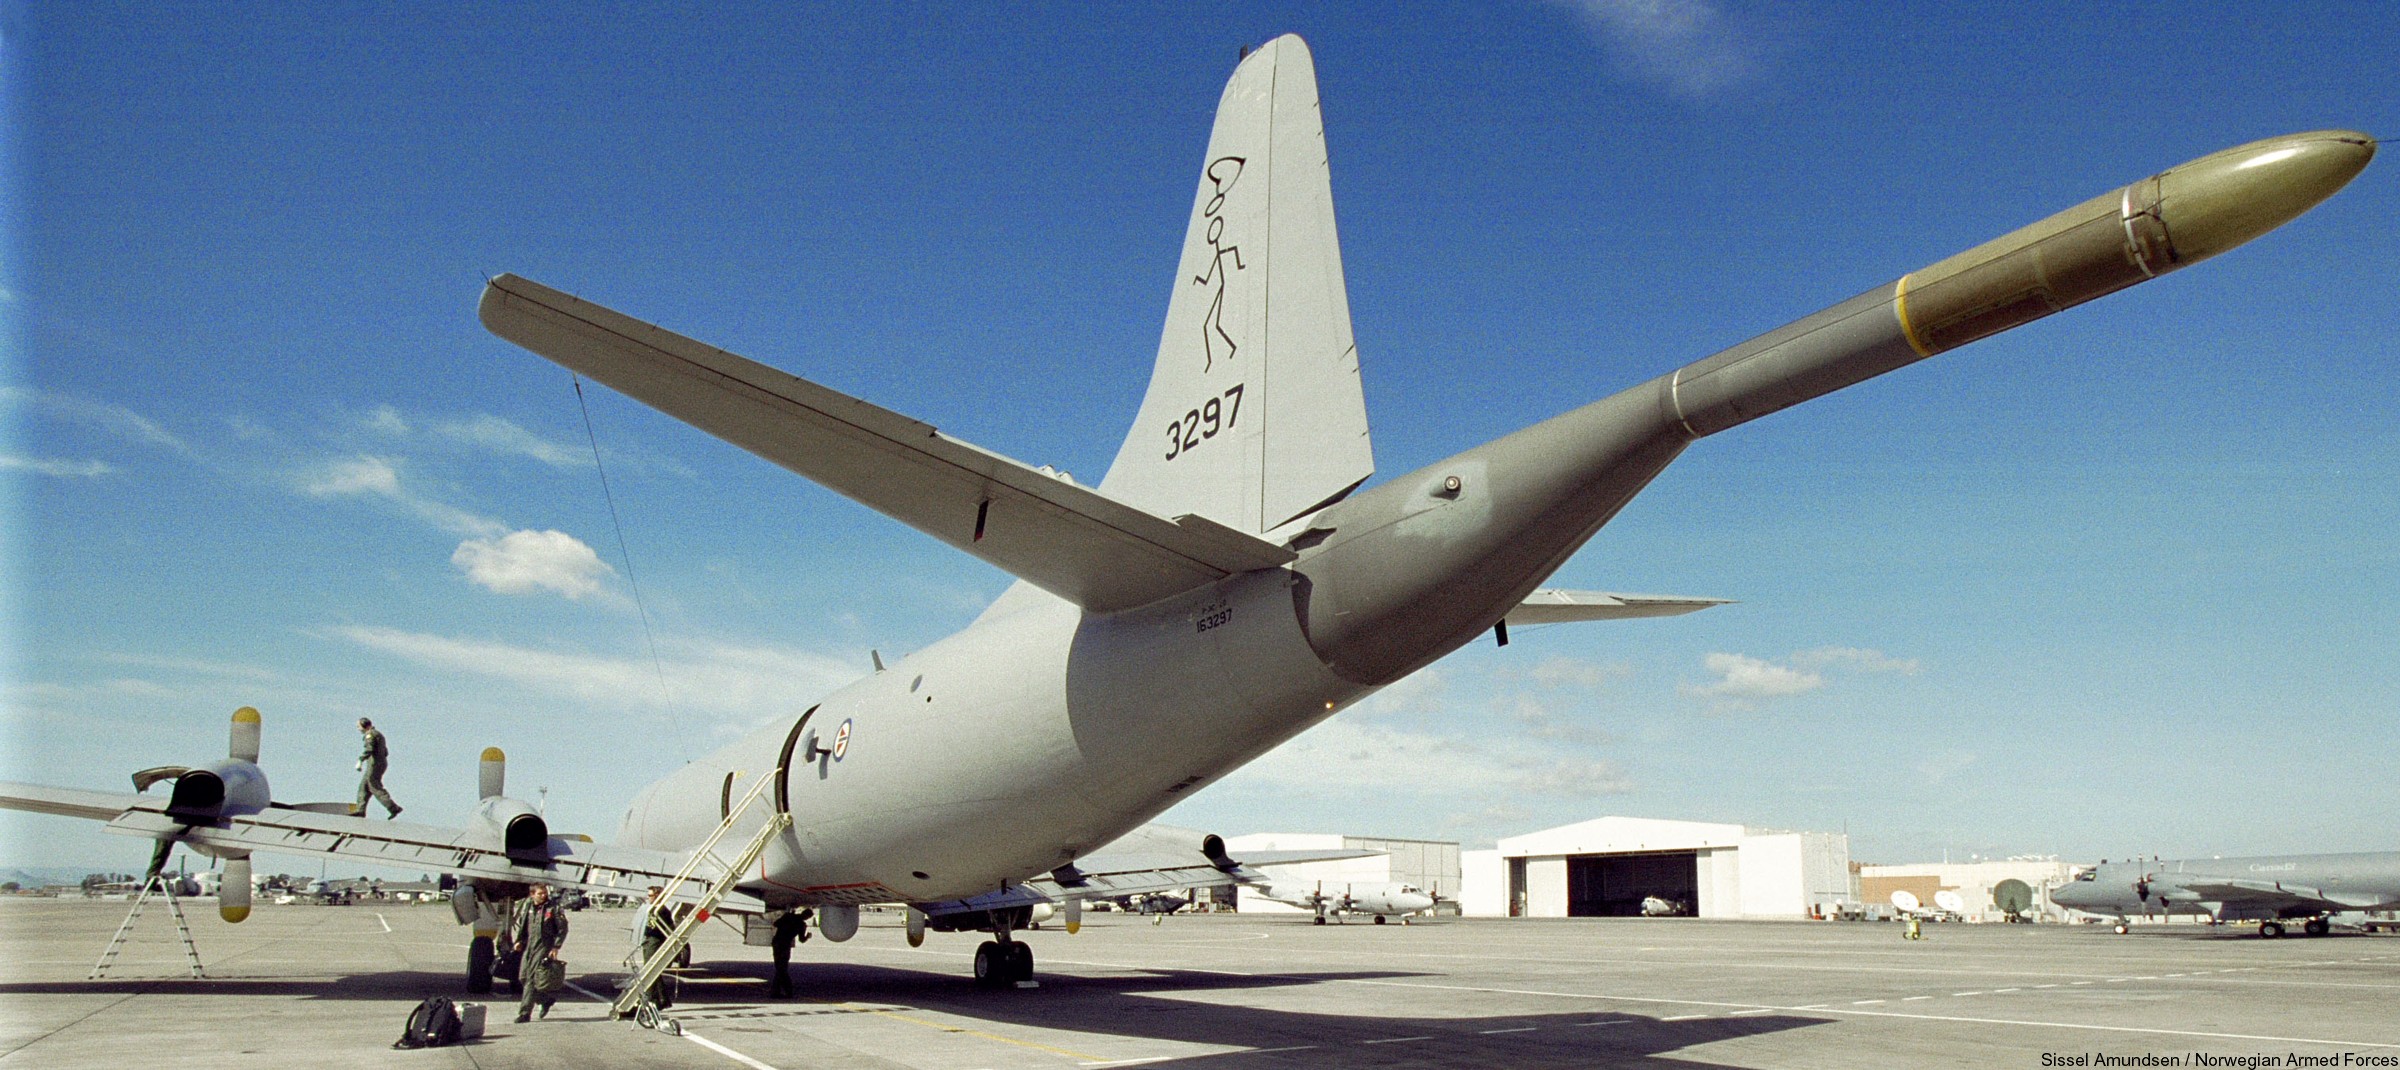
1074	542
1550	606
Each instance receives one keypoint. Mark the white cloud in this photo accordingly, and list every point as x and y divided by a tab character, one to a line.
386	420
1850	657
356	475
1346	755
1688	47
113	419
1940	767
44	466
1743	682
380	477
734	685
501	436
522	562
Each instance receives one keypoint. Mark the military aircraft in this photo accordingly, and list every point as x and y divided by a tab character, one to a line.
1230	582
2269	890
1335	899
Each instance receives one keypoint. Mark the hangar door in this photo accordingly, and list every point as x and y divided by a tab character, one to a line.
1613	886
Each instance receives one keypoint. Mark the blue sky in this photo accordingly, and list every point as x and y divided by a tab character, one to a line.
2119	581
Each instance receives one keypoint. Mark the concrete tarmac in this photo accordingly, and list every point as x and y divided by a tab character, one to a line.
333	985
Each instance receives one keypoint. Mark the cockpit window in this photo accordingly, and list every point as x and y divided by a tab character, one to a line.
2089	874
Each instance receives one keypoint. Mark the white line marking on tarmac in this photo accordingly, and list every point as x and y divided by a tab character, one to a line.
1395	1040
1683	1017
1523	1029
695	1038
387	926
1132	1062
1999	991
1270	1051
1753	1010
1957	994
729	1053
1913	999
1863	1002
1613	1021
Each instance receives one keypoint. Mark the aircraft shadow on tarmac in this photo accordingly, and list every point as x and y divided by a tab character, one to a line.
1147	1004
1159	1005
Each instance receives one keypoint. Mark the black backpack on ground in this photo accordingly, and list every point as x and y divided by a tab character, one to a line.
433	1024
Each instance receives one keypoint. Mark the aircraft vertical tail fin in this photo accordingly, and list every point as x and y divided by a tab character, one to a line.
1254	415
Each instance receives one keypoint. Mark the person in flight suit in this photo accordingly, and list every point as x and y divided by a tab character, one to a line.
538	932
373	759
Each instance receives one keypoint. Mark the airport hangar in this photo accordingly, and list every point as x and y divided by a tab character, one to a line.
1608	866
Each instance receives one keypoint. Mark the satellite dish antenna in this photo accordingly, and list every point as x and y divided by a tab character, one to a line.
2014	897
1907	901
1950	901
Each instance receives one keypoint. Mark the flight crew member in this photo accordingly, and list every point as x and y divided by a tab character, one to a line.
537	932
792	926
658	923
373	758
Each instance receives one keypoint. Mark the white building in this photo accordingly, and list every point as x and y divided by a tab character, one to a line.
1426	865
1977	885
1608	866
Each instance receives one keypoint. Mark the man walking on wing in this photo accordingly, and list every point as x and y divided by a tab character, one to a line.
372	760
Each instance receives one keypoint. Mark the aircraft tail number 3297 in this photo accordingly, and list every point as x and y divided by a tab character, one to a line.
1201	424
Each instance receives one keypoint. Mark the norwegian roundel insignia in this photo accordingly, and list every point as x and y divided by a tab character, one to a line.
841	741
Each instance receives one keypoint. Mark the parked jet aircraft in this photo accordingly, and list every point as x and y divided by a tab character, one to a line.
2269	890
1226	585
1334	899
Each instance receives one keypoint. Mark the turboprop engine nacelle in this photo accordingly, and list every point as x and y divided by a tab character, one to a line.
517	828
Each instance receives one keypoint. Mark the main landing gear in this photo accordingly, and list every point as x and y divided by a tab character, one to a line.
1003	963
2313	927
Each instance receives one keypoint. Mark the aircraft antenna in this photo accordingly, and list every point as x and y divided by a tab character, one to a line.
640	607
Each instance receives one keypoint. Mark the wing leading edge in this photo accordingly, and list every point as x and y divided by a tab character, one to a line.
1069	540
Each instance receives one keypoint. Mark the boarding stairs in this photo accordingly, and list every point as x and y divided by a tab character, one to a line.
634	997
156	885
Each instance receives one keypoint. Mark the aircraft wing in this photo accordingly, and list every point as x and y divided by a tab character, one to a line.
572	863
1550	606
2260	893
1143	869
1069	540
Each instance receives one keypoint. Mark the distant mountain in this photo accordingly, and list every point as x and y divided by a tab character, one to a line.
37	876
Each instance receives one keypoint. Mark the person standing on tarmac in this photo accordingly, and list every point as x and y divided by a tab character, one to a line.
374	757
791	926
537	932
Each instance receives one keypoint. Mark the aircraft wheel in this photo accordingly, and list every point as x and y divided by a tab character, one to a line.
479	965
1020	962
990	968
2270	929
1378	919
2317	927
2123	928
1320	919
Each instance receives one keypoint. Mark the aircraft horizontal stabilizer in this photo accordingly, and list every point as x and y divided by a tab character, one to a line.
1072	541
1559	607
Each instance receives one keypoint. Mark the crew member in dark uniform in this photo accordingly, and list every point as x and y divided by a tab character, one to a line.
658	923
538	932
372	760
792	926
